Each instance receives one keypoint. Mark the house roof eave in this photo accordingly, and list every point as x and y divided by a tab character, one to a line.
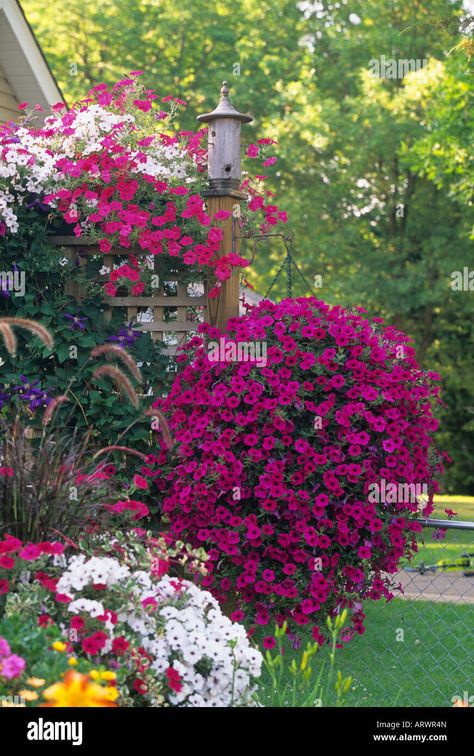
22	59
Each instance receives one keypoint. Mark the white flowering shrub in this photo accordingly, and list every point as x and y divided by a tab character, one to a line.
168	639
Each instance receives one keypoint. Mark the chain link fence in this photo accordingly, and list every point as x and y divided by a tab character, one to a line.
418	649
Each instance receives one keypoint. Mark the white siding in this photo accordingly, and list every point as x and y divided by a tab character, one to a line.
8	104
24	74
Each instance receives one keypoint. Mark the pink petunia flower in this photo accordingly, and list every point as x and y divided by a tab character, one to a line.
12	666
30	552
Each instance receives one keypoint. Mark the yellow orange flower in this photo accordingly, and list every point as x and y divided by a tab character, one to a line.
78	690
28	695
108	675
72	661
59	646
35	682
111	693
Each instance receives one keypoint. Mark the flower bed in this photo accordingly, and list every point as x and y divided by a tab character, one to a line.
164	640
294	441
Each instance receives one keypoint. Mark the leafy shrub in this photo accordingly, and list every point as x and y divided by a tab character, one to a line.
68	369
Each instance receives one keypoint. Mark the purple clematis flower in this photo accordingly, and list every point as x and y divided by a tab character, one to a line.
38	204
126	336
4	398
39	400
77	323
27	388
31	392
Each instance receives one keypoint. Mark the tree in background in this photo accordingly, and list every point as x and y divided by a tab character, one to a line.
376	171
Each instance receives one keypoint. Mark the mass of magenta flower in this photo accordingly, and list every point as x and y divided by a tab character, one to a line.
274	463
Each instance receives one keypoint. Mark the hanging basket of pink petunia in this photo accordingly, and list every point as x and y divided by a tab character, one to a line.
119	186
299	464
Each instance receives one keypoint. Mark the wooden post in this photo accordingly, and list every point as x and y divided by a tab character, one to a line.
224	194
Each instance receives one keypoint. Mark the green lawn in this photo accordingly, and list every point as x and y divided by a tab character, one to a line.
455	542
434	661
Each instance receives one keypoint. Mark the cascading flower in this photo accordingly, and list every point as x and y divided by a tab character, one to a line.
298	471
104	168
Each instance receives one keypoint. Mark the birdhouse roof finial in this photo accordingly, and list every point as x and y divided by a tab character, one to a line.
224	91
225	109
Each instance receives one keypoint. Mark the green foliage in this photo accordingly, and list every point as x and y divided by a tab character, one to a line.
94	405
286	681
443	153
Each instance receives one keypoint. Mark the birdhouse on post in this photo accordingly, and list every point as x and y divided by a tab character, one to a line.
224	149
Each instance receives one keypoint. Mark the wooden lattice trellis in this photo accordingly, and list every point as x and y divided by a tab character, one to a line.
170	317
